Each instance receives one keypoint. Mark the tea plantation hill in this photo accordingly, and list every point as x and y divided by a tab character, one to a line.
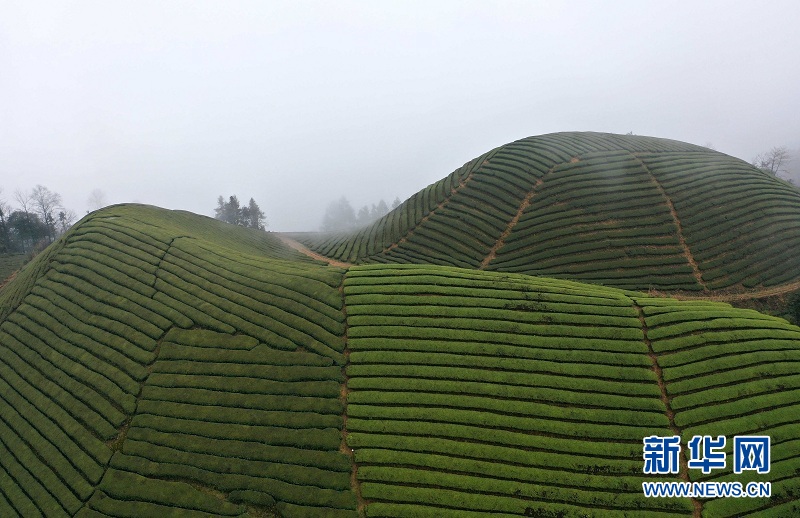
626	211
160	363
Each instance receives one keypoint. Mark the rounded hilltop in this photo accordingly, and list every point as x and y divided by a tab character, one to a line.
620	210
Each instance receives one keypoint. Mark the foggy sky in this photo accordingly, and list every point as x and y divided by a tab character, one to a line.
298	103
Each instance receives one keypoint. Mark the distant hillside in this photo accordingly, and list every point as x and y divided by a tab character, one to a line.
160	363
626	211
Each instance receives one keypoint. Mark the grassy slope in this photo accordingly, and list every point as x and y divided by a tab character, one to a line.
10	264
156	362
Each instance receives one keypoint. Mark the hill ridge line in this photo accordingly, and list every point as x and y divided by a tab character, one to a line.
679	228
666	400
461	184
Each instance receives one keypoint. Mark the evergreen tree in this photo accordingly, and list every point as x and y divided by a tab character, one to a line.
232	212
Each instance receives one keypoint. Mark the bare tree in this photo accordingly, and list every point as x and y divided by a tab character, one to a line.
46	202
24	200
97	199
773	161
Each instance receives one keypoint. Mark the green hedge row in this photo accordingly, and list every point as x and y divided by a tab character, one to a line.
237	450
492	487
507	407
214	472
28	496
220	414
130	488
560	455
70	360
247	385
306	438
97	409
288	403
635	400
600	431
610	385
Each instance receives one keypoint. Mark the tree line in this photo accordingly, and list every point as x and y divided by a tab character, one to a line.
340	216
36	221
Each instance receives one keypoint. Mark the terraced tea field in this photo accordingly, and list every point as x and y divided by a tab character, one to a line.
160	363
632	212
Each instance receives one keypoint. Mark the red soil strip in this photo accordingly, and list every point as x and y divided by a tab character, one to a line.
511	224
665	399
679	228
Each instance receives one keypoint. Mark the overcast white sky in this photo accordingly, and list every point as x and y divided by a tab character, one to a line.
298	103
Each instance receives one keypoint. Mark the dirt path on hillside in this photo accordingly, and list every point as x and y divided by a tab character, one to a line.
310	253
8	279
758	293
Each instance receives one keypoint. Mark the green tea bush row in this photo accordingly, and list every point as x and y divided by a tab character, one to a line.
48	347
277	373
215	472
250	352
229	415
99	413
38	440
45	326
599	431
474	354
331	460
711	350
235	309
247	385
544	410
276	306
39	408
731	362
610	385
307	438
64	391
517	365
128	487
649	402
514	302
77	272
550	490
730	377
476	502
31	496
744	406
753	387
107	245
117	351
571	457
385	315
198	396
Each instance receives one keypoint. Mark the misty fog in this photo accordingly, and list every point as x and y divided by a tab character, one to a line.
298	104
